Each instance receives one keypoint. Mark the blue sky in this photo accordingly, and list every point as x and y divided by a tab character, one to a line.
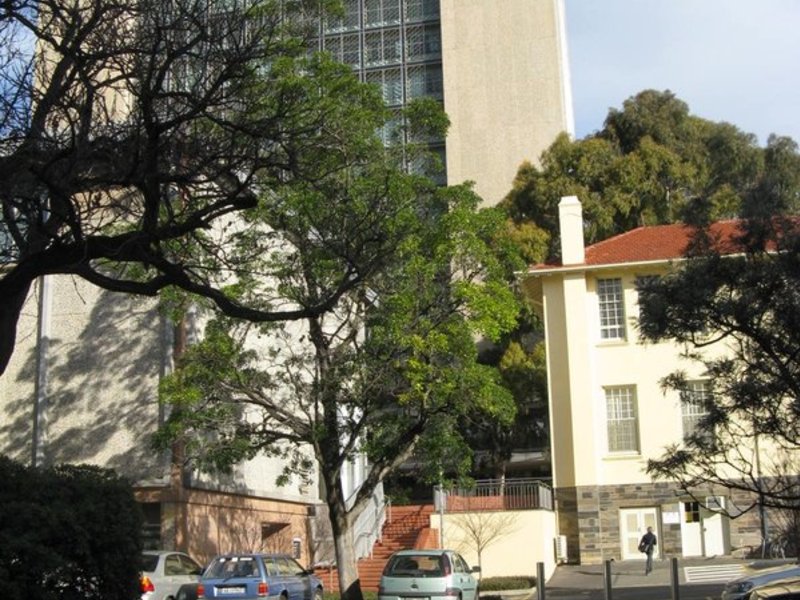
729	60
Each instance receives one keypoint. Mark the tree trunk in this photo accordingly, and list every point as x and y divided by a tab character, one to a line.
346	561
10	309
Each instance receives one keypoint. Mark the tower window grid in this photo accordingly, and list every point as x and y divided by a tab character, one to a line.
395	44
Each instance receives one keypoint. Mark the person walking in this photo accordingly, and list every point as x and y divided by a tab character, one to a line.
647	545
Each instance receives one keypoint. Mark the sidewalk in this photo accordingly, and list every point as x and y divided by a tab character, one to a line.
630	573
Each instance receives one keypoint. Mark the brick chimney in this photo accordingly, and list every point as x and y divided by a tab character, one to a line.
570	220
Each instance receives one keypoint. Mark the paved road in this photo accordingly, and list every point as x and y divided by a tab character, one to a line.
686	592
698	579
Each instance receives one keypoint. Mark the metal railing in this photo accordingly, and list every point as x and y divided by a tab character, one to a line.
369	524
500	494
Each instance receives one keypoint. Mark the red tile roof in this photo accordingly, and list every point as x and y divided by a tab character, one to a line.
654	243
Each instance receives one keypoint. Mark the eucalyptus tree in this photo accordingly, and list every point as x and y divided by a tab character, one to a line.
652	162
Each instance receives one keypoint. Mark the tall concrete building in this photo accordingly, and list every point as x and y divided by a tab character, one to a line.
499	67
82	385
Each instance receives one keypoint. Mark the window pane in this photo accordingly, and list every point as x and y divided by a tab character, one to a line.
422	10
623	430
425	80
382	47
694	406
612	313
381	12
349	20
423	42
391	83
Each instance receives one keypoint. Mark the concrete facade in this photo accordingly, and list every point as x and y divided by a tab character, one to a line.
82	388
499	68
506	88
522	538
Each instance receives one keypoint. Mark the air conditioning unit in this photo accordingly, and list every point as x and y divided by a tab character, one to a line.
716	503
560	544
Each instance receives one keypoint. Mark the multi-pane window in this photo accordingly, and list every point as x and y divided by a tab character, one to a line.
612	309
381	12
422	10
382	47
349	20
425	80
391	133
694	406
345	49
391	83
691	512
621	420
423	42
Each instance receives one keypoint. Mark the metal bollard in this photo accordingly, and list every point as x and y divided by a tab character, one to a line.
607	579
673	576
540	581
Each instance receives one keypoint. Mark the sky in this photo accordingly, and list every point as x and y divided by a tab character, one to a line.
729	60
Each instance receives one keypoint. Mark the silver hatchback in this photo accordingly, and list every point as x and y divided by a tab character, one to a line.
429	574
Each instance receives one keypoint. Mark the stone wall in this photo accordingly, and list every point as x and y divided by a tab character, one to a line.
589	517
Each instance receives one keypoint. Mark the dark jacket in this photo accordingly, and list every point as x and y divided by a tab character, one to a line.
647	543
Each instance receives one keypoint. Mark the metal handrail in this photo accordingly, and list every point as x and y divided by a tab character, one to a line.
500	494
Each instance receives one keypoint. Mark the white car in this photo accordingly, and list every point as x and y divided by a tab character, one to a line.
428	575
165	571
740	588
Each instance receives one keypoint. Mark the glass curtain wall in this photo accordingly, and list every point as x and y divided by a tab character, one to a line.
394	44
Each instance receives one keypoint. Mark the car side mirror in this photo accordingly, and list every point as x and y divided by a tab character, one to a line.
476	569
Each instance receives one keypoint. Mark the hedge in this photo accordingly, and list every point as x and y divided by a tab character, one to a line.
68	532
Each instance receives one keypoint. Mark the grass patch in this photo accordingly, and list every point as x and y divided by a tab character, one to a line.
511	582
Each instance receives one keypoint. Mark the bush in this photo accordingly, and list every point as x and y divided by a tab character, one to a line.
68	532
515	582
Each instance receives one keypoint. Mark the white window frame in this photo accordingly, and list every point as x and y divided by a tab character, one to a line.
693	405
622	420
611	305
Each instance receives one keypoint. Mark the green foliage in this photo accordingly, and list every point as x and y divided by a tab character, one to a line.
652	163
405	275
68	532
508	582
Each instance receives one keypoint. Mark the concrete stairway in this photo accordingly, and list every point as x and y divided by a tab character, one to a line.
404	526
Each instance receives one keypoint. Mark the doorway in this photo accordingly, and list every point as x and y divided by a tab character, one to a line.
705	532
633	525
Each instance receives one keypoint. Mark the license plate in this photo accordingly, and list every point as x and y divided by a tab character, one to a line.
225	591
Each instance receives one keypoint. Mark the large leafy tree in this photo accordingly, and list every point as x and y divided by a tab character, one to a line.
131	134
653	162
389	369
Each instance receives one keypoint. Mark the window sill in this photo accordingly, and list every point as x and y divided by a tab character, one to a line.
623	456
614	342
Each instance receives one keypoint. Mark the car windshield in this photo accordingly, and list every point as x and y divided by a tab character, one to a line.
228	567
416	565
149	562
